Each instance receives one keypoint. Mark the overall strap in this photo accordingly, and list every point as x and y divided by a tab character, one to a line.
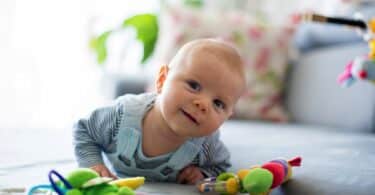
134	108
127	142
186	153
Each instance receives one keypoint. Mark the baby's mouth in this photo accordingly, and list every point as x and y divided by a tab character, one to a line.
190	117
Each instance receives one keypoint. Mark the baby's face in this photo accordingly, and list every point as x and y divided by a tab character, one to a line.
199	94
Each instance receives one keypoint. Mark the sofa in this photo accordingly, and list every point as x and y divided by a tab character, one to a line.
332	128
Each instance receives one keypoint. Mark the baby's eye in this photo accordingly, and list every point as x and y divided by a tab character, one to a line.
219	104
194	85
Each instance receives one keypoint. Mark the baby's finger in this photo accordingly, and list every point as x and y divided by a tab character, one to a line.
190	176
112	175
104	173
183	175
192	181
194	176
195	179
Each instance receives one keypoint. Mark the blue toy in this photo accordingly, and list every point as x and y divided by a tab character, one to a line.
84	181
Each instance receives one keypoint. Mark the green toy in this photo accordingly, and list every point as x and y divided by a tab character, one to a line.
85	181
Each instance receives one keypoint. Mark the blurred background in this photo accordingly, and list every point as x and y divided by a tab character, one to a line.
49	75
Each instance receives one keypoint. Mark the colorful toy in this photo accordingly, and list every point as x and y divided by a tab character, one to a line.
84	181
362	67
258	180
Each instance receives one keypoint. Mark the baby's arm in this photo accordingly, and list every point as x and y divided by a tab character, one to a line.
216	156
94	135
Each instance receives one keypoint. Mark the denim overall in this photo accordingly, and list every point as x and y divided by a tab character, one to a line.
129	147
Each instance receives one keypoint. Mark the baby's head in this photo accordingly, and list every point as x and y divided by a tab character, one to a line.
199	88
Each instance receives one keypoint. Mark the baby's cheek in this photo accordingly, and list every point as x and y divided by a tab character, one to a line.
220	121
212	127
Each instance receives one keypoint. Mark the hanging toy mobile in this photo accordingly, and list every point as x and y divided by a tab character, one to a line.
362	67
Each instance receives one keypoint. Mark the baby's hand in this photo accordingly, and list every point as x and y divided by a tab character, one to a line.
103	171
190	175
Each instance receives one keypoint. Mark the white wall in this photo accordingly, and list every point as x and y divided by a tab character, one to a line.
48	76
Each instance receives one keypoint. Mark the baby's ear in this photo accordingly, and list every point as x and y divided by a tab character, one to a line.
162	75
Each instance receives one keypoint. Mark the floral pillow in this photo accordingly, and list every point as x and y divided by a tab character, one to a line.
264	51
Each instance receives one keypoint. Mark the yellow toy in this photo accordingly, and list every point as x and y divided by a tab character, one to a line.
84	181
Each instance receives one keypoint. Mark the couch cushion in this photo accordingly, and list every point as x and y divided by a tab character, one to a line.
312	36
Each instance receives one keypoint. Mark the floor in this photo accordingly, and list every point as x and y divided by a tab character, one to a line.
28	156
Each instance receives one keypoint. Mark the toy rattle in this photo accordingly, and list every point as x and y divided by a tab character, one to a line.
362	67
257	180
85	181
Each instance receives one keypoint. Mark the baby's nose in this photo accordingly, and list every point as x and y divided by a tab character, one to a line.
201	105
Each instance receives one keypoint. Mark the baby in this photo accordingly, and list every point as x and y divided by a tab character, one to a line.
171	135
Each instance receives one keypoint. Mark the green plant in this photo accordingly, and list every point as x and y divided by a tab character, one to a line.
146	27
